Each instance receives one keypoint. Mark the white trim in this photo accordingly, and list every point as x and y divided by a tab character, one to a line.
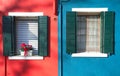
89	54
89	9
25	13
26	58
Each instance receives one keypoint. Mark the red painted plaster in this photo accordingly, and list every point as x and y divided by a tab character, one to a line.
2	58
46	67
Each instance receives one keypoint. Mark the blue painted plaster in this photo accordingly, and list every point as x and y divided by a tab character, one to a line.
69	66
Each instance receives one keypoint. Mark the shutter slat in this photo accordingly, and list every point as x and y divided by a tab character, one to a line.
43	36
102	31
71	32
107	21
14	36
8	37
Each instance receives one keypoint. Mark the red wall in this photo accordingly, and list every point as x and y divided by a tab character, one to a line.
46	67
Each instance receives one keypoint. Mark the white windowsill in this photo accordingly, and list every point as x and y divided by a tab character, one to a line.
25	13
26	58
89	9
89	54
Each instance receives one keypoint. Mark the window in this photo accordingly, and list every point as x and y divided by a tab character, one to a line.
27	32
90	33
30	29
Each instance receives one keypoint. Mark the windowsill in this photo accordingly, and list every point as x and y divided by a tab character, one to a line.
26	58
89	54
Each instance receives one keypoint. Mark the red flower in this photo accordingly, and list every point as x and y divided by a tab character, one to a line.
23	45
30	47
26	48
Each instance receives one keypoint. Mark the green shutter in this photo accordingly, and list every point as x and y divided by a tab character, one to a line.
43	36
14	36
107	32
8	35
71	32
101	32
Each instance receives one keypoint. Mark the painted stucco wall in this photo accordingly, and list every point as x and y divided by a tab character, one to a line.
46	67
69	66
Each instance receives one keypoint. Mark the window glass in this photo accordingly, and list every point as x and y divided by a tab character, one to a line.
88	33
27	32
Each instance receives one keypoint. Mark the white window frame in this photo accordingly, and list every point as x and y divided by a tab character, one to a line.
89	54
25	14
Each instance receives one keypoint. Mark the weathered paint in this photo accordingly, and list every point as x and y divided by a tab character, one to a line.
46	67
69	66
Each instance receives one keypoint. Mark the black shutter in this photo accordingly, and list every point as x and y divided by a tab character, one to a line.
71	32
43	36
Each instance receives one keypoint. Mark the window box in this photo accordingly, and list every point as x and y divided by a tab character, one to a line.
29	53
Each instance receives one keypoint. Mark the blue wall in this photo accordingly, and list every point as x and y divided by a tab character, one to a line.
69	66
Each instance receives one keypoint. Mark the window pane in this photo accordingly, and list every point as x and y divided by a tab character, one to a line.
27	32
88	33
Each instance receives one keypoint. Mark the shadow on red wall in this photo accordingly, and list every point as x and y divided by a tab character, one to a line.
46	67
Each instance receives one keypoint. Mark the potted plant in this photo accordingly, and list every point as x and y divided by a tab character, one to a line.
26	50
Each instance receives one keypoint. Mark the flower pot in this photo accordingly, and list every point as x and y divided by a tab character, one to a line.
29	53
21	53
